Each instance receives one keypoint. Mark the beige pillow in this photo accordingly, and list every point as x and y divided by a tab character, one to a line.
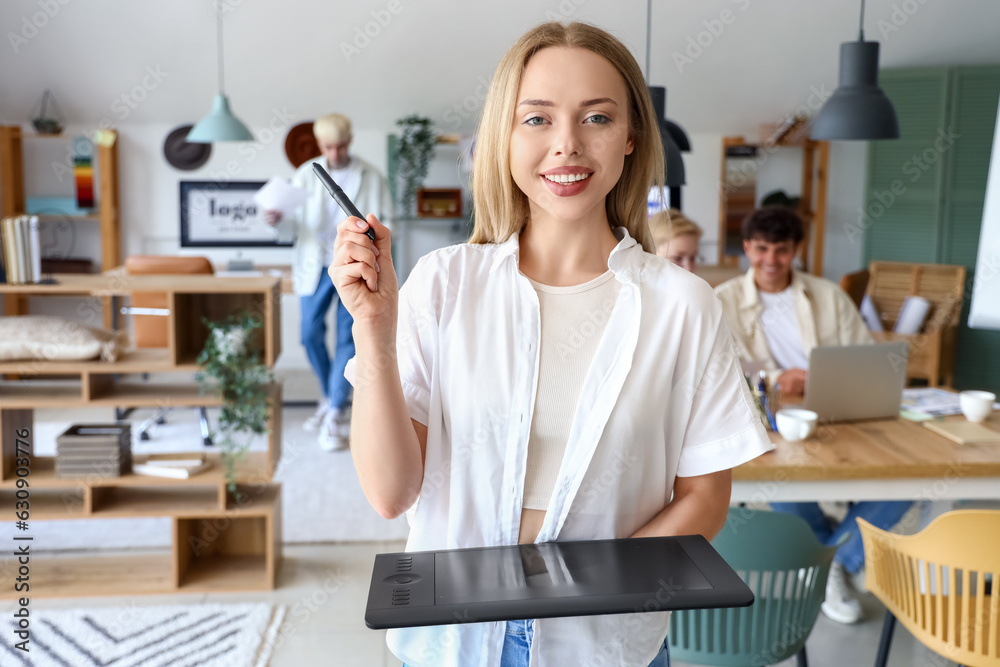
51	338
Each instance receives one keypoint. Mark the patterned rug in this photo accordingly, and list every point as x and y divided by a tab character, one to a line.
208	635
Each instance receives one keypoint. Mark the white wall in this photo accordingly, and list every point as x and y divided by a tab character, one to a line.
150	212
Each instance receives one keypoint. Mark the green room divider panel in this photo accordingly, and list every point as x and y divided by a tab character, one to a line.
925	191
904	189
975	93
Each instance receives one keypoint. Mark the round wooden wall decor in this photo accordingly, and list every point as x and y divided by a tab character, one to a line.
300	144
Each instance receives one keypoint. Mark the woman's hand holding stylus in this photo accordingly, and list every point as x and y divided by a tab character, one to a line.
387	446
362	270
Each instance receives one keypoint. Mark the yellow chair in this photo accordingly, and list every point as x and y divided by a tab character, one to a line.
940	584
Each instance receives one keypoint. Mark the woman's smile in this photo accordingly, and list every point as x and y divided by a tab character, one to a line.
567	181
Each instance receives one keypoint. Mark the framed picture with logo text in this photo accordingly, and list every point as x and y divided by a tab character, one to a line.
224	215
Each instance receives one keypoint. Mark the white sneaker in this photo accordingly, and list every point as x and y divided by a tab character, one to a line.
334	434
314	422
841	603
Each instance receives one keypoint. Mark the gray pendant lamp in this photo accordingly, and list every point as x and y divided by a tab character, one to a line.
220	124
671	134
858	109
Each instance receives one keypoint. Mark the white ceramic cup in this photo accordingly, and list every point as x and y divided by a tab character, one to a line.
796	424
976	405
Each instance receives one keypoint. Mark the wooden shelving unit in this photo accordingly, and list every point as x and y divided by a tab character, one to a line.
13	201
737	196
217	544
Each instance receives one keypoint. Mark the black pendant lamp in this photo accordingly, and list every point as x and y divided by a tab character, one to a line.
675	176
858	109
672	135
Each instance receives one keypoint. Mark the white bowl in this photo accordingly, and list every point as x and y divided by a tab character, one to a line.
976	405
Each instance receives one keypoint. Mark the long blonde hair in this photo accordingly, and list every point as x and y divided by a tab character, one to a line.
501	209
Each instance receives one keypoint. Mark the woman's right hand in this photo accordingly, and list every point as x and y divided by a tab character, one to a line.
362	271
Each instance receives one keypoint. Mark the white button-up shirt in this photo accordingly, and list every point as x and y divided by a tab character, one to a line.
663	397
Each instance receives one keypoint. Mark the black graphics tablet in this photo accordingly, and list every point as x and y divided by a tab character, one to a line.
551	579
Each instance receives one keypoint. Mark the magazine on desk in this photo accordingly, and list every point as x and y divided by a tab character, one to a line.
933	401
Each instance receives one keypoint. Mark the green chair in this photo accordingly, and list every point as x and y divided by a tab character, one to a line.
786	567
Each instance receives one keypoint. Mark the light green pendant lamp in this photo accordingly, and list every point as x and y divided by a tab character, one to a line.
220	124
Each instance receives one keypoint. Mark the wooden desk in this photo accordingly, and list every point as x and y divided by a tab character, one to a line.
891	459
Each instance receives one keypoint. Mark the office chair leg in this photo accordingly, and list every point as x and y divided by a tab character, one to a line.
883	646
800	658
206	433
156	418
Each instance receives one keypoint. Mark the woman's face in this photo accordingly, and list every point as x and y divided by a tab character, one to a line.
681	250
570	133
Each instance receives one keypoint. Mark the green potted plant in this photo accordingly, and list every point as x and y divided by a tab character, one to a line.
43	122
415	149
232	368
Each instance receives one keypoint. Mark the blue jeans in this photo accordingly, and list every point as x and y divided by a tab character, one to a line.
335	386
662	658
516	644
882	514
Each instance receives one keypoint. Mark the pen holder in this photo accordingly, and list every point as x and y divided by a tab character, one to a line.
773	397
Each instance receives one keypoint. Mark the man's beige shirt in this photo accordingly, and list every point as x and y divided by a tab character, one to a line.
825	314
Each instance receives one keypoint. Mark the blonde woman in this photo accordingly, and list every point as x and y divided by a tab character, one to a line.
498	388
676	238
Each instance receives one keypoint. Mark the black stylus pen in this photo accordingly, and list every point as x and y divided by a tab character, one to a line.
339	197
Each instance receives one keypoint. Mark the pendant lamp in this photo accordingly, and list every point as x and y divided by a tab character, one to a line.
675	176
672	135
858	109
220	124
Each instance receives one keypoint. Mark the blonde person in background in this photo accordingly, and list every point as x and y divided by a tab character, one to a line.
315	228
676	238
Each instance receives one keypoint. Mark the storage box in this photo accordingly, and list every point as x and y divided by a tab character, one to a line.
439	203
94	449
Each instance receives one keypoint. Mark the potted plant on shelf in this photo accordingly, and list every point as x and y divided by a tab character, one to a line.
232	368
415	148
44	123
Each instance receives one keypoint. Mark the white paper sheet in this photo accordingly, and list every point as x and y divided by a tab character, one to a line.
870	315
912	315
933	401
279	194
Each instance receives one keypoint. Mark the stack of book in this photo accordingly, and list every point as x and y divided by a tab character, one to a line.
176	466
22	251
94	450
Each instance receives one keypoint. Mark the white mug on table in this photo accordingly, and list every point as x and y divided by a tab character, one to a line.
796	424
976	405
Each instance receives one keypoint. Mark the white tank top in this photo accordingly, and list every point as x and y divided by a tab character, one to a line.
573	320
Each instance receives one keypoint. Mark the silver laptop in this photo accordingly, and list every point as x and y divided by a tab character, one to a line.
856	381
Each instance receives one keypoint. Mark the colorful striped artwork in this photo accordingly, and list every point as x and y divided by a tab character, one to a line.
83	172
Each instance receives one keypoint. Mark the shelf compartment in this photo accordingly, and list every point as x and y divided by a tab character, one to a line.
190	333
152	394
130	361
49	504
155	501
255	468
28	394
73	576
225	553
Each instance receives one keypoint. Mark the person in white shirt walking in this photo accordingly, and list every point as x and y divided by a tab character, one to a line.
552	379
315	228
